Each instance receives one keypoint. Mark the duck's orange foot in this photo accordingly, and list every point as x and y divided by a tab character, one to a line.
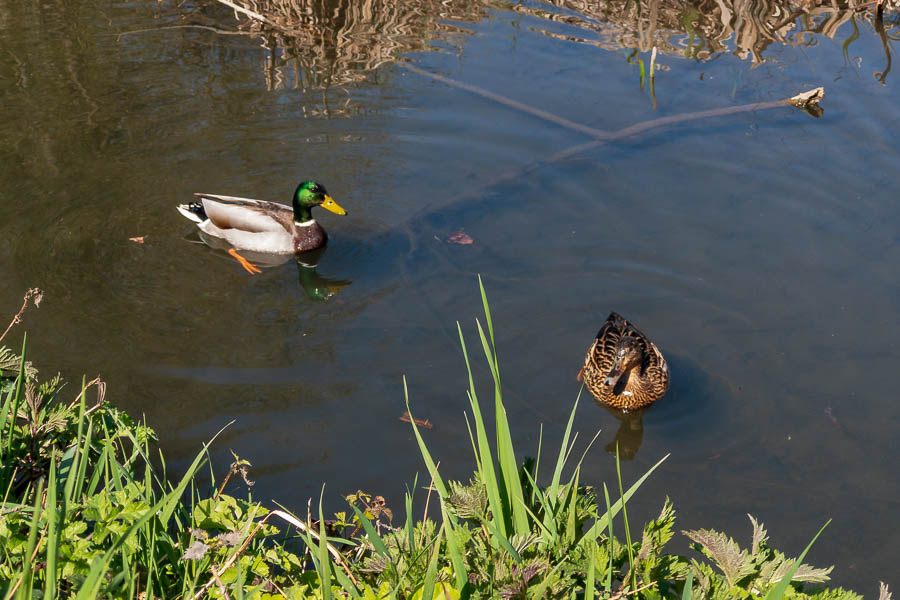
248	266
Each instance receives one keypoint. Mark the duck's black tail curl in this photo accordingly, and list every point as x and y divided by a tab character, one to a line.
193	211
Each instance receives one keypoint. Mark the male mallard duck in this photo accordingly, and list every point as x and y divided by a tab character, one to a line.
623	368
260	226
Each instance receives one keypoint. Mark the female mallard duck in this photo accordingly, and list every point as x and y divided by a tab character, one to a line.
623	368
260	226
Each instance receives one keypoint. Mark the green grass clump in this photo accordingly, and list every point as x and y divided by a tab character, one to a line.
86	514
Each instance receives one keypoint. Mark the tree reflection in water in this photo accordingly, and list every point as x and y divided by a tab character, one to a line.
322	43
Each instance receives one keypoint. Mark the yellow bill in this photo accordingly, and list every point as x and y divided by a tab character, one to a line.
333	206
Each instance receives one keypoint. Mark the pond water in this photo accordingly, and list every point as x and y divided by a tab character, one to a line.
759	250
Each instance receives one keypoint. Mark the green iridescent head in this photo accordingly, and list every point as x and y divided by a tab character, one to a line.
310	194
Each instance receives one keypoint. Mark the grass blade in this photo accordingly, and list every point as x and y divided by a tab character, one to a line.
376	540
611	512
25	583
55	521
449	520
438	482
17	397
627	528
431	571
506	456
553	490
688	592
778	591
609	532
487	472
589	580
324	565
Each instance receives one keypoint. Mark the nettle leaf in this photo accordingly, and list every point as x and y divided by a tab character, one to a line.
9	364
760	537
468	501
725	552
805	573
658	532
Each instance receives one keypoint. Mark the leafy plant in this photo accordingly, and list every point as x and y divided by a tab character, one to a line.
85	514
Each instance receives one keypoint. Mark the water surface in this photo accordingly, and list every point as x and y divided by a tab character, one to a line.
759	251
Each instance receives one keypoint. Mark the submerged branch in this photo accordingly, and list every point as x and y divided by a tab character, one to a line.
216	30
807	101
509	102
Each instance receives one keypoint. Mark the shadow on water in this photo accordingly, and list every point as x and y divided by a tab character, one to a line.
695	400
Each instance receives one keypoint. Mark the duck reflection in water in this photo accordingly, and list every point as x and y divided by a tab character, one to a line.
315	286
630	434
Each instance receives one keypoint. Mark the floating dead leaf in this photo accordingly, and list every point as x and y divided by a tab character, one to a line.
460	237
137	240
196	551
420	422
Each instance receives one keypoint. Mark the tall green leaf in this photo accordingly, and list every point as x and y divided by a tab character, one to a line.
431	571
486	460
56	515
513	497
449	520
778	591
26	581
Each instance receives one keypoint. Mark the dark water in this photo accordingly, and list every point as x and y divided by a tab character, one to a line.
760	251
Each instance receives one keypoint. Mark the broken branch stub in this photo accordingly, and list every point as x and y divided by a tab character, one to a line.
809	101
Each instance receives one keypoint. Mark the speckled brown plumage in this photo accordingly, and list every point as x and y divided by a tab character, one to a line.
623	368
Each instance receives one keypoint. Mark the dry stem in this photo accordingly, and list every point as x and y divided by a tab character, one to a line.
427	500
293	521
35	295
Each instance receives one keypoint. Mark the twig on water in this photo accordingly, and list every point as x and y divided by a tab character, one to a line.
406	418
